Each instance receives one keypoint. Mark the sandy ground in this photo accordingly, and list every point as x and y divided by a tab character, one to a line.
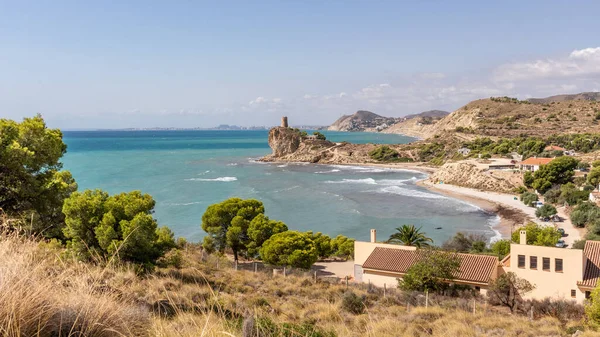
510	206
339	269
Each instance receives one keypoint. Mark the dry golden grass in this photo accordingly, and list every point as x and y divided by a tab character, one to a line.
44	294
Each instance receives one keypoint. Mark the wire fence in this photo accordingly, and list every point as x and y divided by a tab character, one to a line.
453	298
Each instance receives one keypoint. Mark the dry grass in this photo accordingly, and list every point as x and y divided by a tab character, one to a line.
44	294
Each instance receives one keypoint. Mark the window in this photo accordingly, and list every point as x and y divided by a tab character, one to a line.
546	263
533	262
587	294
558	265
573	293
521	261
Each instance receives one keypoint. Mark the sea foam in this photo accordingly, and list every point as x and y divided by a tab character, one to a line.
410	193
221	179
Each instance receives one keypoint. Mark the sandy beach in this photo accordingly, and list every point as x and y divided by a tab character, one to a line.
512	212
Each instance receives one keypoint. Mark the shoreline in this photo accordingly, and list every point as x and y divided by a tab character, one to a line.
509	218
510	209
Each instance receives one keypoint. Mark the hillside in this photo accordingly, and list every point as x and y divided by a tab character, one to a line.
368	121
506	117
429	113
583	96
203	297
361	120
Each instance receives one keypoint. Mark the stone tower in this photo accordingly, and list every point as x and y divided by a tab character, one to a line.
284	122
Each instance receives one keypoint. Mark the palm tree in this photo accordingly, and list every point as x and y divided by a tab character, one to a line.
409	235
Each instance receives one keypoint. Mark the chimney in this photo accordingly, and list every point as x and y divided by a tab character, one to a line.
523	237
373	235
284	122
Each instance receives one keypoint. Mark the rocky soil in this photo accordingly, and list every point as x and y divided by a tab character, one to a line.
474	176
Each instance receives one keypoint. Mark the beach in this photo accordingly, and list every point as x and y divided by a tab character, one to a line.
512	212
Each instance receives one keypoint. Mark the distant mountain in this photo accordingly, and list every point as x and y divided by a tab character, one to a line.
430	113
583	96
361	120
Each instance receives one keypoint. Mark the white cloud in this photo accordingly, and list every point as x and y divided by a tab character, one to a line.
580	63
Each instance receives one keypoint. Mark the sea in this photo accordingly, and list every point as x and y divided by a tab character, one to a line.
186	171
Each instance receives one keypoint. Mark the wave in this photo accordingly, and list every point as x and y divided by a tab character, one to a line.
284	165
330	171
232	164
369	181
222	179
410	193
203	173
185	203
371	169
493	223
287	189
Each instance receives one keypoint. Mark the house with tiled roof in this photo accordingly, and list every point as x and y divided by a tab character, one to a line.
533	164
383	264
554	148
559	273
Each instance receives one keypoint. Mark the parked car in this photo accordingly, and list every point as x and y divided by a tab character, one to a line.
561	231
561	244
538	204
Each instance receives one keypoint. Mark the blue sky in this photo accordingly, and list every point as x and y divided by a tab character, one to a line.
101	64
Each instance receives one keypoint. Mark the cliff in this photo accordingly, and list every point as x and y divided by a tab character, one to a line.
477	176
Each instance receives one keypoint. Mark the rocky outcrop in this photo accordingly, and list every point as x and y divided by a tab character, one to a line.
284	141
290	145
476	176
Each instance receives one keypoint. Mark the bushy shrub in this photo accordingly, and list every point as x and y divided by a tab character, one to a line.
353	303
538	235
546	210
552	196
384	153
563	310
528	198
585	213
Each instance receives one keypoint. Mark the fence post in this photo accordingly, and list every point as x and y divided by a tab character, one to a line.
531	314
217	262
346	281
426	298
473	306
407	306
255	267
384	288
284	272
315	276
235	264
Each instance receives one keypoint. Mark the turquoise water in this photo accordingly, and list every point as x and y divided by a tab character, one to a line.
186	171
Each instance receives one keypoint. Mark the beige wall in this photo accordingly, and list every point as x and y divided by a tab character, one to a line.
550	283
362	250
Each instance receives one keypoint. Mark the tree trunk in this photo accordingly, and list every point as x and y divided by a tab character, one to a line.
235	255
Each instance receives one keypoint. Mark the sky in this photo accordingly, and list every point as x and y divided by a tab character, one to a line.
121	64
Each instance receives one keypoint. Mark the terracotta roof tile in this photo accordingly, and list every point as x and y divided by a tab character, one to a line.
591	273
473	268
536	161
554	148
